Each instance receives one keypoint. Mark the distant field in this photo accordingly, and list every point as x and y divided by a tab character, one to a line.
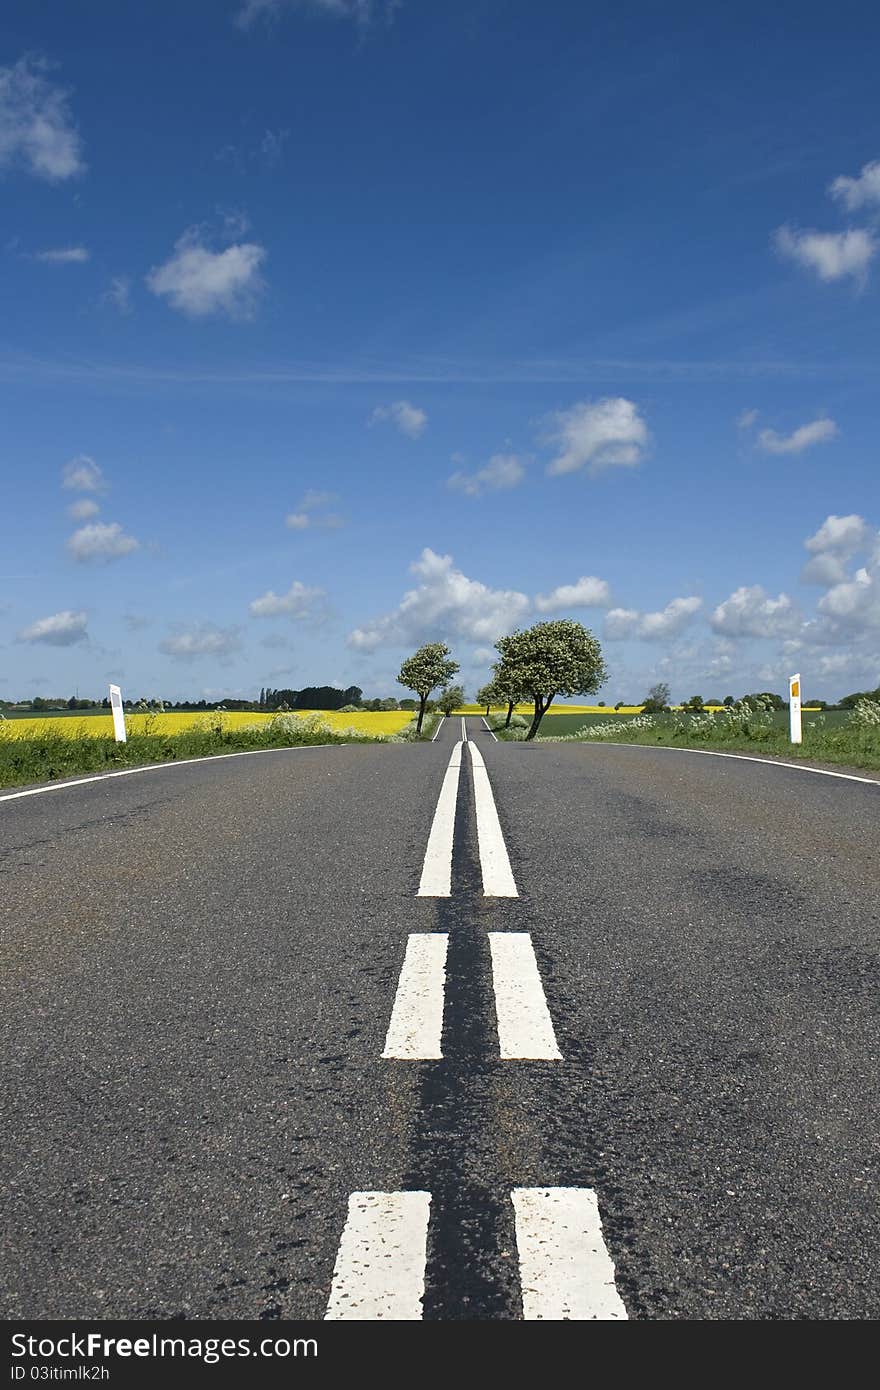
554	710
101	725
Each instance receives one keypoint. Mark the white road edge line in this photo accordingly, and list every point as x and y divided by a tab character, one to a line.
566	1272
380	1265
739	757
437	730
416	1028
436	880
525	1028
498	880
464	737
161	767
491	731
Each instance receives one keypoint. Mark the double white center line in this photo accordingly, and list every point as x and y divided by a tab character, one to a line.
566	1273
436	880
525	1029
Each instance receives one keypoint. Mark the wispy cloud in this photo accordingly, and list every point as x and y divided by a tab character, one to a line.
501	472
118	294
82	474
860	192
82	510
65	255
205	639
37	132
363	12
410	419
299	602
816	432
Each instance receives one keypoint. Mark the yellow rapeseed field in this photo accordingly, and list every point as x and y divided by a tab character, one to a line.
101	725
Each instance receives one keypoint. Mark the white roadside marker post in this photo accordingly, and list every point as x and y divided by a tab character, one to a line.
118	714
794	706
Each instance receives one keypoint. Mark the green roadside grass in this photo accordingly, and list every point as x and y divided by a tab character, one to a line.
832	741
53	756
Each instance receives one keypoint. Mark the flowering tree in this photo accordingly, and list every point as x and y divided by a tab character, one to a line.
427	668
554	658
451	698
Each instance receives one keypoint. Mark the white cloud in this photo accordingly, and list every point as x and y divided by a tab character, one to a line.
658	626
835	542
82	510
824	569
846	535
65	255
817	432
750	612
101	540
832	255
59	630
445	605
595	435
502	471
859	192
203	640
746	419
854	604
82	474
670	620
36	127
298	602
621	622
198	281
298	521
410	419
586	592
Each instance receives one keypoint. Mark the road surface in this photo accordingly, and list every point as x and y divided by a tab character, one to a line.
465	1030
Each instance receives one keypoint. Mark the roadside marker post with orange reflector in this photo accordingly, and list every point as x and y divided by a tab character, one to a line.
794	706
118	714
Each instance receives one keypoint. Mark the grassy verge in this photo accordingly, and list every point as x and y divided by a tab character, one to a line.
842	744
55	755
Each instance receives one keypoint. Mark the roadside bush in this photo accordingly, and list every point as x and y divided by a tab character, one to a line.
497	721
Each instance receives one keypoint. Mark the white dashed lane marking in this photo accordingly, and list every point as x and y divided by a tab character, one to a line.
498	881
566	1272
525	1029
416	1027
436	880
380	1267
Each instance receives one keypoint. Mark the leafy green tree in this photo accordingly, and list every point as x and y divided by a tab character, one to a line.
560	657
657	699
427	668
485	696
505	690
450	698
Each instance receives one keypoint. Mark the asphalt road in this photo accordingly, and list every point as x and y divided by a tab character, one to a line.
199	969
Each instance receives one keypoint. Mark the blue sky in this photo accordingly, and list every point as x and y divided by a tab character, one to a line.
331	327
